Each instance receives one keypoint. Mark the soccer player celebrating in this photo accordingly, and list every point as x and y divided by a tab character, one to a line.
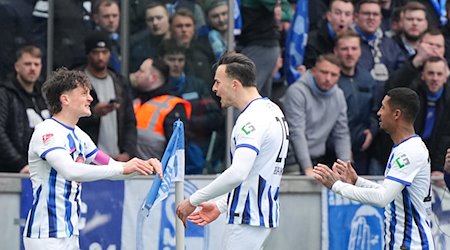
405	192
58	156
259	143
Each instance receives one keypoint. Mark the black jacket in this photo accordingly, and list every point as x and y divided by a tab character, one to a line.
126	120
15	130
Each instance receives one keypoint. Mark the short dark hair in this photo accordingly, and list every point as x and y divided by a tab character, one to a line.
171	47
406	100
239	67
154	4
331	58
413	6
28	49
184	12
162	67
60	81
99	3
358	5
434	59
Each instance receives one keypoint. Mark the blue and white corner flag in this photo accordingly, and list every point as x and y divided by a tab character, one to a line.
296	41
173	170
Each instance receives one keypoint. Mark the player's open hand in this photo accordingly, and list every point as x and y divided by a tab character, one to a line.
345	171
207	213
184	209
324	175
137	165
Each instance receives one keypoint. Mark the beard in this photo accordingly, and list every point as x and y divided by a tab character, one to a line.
412	38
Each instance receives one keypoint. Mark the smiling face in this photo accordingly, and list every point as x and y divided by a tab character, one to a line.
434	75
78	101
340	16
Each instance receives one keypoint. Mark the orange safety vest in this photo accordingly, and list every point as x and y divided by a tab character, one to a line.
151	114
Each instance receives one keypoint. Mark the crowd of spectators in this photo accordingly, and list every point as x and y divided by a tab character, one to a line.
355	51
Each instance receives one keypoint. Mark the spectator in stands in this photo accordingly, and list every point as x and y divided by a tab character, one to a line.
22	107
380	54
259	39
431	44
156	107
446	33
206	116
316	110
216	29
433	89
112	125
199	54
414	24
106	15
72	21
339	18
144	44
359	91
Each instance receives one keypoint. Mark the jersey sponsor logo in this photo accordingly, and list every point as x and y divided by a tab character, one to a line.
402	161
46	137
248	128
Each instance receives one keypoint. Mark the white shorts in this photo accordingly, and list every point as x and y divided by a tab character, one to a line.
245	237
71	243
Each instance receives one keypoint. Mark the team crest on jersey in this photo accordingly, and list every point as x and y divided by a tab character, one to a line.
46	137
248	128
402	161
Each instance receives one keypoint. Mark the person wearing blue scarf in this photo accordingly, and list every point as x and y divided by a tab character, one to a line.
216	30
339	17
432	122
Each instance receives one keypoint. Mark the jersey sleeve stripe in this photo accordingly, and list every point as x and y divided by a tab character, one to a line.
92	153
49	150
248	146
398	180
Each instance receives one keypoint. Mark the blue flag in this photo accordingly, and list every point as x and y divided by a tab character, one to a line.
173	170
237	18
296	41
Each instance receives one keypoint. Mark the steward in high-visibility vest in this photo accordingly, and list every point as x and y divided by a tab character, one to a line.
150	117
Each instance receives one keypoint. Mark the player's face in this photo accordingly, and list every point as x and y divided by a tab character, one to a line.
340	16
98	58
28	68
326	74
434	75
385	114
157	20
369	17
79	100
223	87
349	51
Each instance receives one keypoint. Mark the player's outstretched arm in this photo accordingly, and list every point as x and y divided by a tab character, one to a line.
207	213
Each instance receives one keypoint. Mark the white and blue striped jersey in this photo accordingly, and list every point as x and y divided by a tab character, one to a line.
407	223
56	204
262	127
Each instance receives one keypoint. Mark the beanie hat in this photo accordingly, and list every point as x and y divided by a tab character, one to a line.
97	40
211	4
